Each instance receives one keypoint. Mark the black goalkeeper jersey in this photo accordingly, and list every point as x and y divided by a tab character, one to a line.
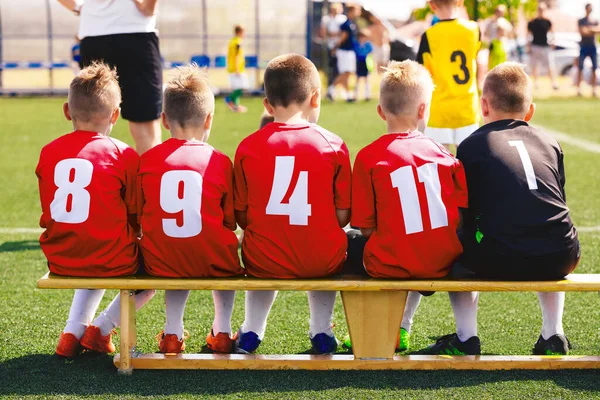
516	182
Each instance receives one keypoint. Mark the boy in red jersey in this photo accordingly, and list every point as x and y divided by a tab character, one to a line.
185	205
87	185
406	189
292	196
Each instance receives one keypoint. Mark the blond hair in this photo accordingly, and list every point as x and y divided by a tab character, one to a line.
188	98
508	88
404	87
290	79
94	93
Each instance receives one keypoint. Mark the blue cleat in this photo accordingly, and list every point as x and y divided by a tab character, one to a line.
324	344
247	343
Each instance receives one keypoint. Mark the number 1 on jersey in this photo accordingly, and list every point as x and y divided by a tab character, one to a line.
403	179
297	208
526	161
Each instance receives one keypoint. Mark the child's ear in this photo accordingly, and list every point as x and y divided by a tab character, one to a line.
67	112
381	113
460	3
485	107
422	113
208	122
315	100
530	113
433	6
115	115
268	106
165	123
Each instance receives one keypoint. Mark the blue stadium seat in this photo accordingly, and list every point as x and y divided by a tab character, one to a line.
251	62
201	60
35	65
220	62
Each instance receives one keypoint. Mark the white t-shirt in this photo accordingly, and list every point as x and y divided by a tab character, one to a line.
332	27
111	17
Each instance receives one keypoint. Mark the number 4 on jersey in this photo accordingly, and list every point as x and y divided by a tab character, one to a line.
297	208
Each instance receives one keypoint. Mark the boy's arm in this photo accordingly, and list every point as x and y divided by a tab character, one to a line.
146	7
130	195
237	59
227	201
71	5
240	191
342	186
364	214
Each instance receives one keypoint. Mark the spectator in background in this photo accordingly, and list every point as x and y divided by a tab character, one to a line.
330	31
380	38
588	28
498	30
236	67
540	49
123	34
344	50
363	49
76	55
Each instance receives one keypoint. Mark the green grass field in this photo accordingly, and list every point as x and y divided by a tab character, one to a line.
31	319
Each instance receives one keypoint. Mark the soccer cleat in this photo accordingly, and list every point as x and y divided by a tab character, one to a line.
170	343
452	346
230	103
221	343
93	340
557	345
247	343
402	344
324	344
68	345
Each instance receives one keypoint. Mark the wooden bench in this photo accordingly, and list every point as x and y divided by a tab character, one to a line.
373	310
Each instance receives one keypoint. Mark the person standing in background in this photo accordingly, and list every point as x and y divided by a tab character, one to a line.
498	30
236	66
330	31
540	48
588	28
380	37
344	50
123	34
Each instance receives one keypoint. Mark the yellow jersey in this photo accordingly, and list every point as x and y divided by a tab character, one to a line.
449	51
235	54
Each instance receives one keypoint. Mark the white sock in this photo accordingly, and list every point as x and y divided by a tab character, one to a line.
258	307
110	318
552	305
412	304
367	89
223	300
464	305
344	94
175	301
83	308
331	90
321	305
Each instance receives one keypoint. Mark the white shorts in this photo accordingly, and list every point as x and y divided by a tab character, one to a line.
381	54
449	135
346	61
238	81
541	55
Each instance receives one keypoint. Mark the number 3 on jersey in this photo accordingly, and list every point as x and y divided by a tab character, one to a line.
459	56
403	179
297	207
181	192
71	203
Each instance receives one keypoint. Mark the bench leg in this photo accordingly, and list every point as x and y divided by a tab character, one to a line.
374	321
128	331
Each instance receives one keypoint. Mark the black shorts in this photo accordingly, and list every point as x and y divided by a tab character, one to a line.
491	260
361	68
136	57
354	260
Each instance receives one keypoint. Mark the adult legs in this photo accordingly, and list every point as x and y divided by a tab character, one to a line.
146	135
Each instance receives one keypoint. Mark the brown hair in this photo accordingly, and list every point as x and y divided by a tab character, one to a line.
94	92
237	29
353	7
404	87
290	79
444	3
188	97
508	88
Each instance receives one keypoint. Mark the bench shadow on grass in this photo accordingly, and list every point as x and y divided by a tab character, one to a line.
42	374
22	245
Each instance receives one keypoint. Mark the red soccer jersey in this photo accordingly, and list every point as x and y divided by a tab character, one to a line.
87	184
409	189
290	179
186	211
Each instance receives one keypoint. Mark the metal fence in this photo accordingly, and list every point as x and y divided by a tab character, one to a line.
36	37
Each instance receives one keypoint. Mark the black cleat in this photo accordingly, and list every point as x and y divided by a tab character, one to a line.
557	345
451	345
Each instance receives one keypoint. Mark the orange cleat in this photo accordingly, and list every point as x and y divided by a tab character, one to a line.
170	343
222	343
68	345
93	340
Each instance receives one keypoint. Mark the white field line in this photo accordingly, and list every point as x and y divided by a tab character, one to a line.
20	230
582	144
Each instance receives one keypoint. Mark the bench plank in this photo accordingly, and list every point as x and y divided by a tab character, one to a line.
348	362
573	283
